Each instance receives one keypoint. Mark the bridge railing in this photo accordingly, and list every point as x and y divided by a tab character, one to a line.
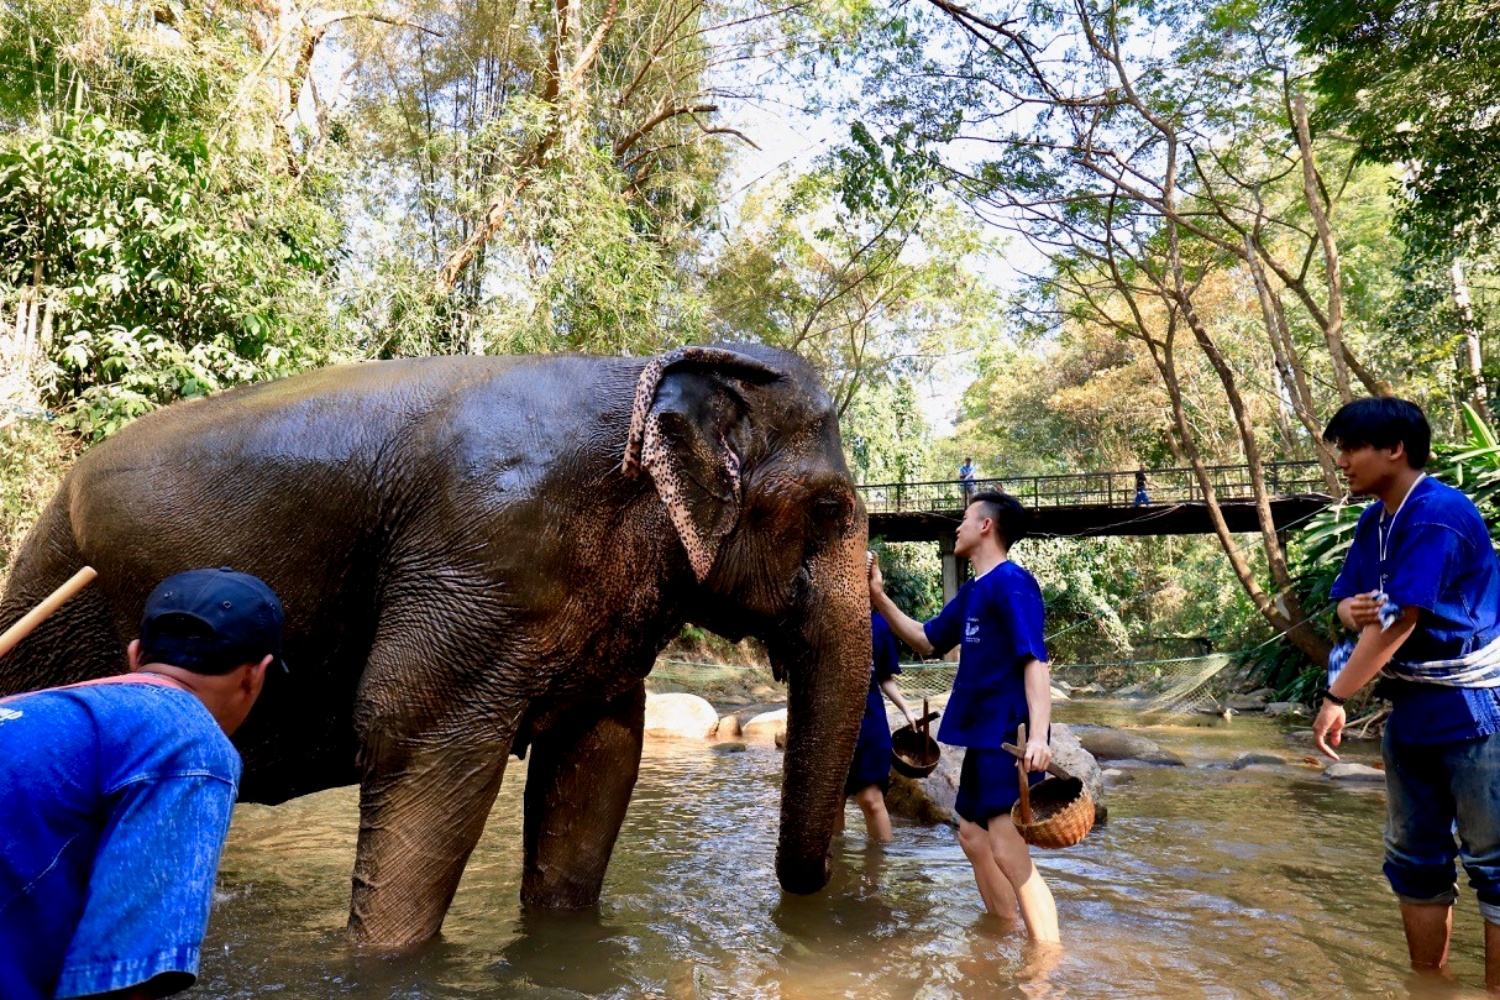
1103	489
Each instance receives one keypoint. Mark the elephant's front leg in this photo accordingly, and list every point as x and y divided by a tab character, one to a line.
423	804
577	788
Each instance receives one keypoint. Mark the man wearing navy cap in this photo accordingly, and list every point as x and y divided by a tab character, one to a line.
115	797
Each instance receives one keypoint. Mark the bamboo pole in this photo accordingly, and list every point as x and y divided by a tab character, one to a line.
38	614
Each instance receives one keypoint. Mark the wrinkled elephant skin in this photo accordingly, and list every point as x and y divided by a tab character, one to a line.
482	557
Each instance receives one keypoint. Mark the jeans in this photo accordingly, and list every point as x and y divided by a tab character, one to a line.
1433	788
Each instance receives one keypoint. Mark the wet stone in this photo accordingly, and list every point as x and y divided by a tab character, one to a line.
1348	771
767	727
679	716
1252	758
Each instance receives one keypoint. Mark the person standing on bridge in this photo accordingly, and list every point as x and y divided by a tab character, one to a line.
1421	581
1003	681
966	474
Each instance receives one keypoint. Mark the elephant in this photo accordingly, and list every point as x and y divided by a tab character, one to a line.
482	557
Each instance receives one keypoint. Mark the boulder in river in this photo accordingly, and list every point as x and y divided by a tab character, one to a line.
679	716
1348	771
766	727
729	728
1116	744
1276	709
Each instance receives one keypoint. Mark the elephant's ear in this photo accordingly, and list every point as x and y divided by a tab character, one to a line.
689	429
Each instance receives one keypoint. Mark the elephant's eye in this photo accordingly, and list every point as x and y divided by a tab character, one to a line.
831	511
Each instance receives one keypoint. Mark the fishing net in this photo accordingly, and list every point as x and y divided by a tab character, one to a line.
1185	684
926	680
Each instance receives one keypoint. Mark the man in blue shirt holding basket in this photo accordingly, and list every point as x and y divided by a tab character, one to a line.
1421	588
1003	682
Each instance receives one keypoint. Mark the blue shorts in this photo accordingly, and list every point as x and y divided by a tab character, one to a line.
1431	789
871	766
988	786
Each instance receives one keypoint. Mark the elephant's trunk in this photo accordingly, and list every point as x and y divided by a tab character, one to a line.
827	667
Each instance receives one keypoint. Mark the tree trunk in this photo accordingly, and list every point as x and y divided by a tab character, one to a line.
1478	392
1289	366
1333	327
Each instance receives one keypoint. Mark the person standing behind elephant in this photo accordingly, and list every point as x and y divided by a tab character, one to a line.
116	794
1003	681
870	771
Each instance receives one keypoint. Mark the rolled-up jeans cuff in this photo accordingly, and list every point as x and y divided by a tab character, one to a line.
1490	912
1442	899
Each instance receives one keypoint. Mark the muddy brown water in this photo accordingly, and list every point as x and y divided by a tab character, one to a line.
1207	882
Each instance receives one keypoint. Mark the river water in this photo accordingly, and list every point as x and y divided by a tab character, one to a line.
1206	882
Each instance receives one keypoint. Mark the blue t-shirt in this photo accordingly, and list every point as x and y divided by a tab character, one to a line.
1434	554
885	663
114	803
998	618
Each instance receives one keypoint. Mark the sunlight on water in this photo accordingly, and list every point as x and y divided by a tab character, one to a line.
1207	882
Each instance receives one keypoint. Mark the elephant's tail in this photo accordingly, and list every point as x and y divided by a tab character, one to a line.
77	642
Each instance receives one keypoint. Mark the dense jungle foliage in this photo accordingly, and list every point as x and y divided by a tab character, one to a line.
1053	238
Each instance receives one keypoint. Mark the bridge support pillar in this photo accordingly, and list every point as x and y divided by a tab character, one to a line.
955	569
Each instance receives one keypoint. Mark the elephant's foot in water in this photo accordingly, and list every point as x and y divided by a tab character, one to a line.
578	786
421	812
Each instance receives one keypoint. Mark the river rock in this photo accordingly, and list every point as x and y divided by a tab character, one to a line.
1058	694
766	727
930	799
679	716
1252	702
1347	771
1114	744
1277	709
1131	691
1252	758
1086	689
728	728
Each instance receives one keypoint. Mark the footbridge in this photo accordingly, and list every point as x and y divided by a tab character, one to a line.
1102	503
1091	504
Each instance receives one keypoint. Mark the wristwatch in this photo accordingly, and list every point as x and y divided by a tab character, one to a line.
1328	695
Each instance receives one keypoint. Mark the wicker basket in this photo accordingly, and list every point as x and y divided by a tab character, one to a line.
1061	813
1056	813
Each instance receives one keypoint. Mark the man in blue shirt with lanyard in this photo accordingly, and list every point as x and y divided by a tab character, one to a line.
1421	587
115	798
1003	681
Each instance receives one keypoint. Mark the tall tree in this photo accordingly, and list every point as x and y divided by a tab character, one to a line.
1153	152
154	243
555	169
1418	85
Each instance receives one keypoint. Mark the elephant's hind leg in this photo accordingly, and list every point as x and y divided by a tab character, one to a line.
422	806
578	786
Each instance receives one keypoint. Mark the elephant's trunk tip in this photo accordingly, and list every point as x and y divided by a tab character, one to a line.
803	877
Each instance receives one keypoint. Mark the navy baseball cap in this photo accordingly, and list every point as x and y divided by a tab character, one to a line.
210	621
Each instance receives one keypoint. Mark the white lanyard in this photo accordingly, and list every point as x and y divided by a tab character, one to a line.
1383	531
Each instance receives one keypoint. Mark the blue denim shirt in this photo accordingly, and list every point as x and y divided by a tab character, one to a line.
1434	554
115	801
998	619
